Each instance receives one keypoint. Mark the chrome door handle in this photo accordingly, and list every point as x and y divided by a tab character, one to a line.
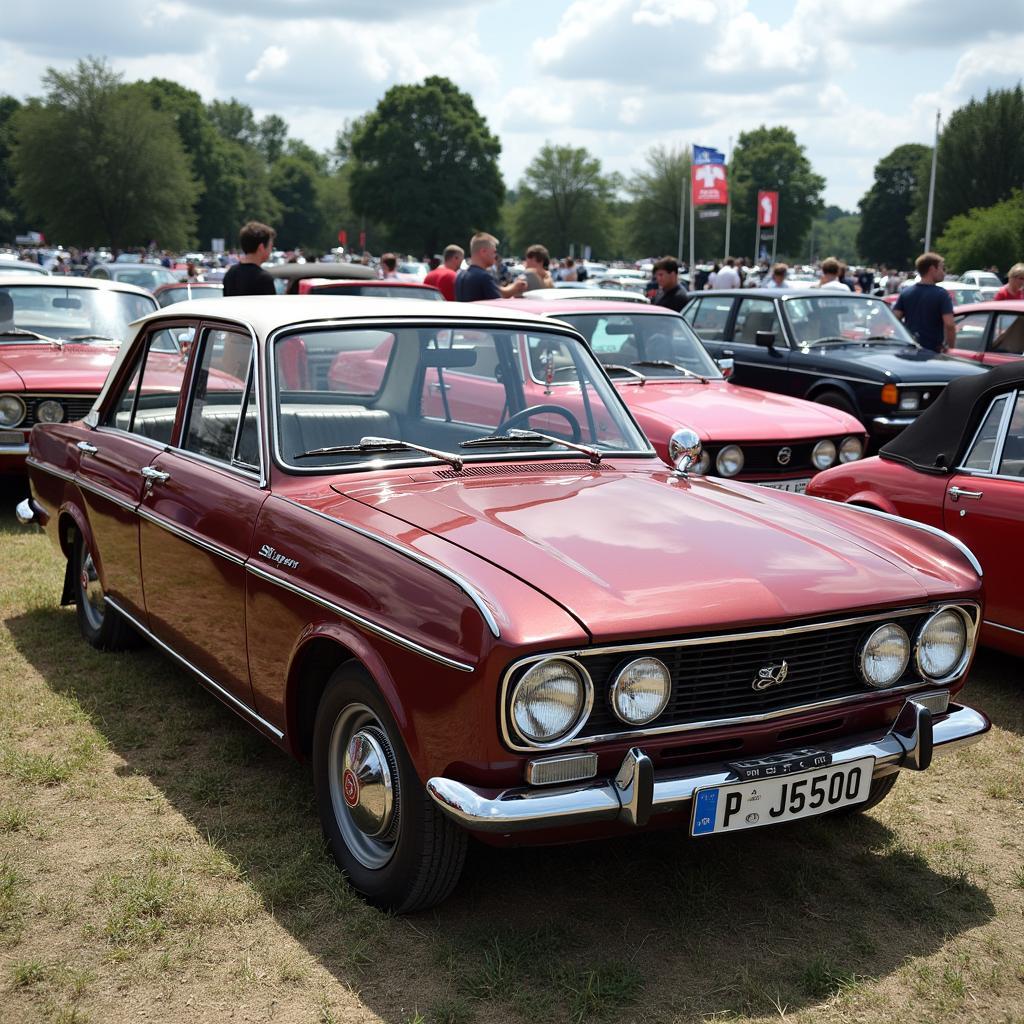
89	449
439	387
154	476
956	493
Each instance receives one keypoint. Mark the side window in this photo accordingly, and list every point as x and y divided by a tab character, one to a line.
710	318
756	315
215	423
1008	334
970	331
551	360
979	458
1012	461
148	403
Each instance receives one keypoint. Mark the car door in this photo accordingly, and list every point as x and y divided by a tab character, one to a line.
709	317
755	365
199	512
135	428
971	333
984	507
1006	342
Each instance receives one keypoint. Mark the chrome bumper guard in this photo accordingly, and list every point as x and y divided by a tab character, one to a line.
637	792
27	512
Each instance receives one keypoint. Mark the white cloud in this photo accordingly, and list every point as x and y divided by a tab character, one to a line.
273	58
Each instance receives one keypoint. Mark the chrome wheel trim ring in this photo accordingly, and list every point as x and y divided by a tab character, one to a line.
363	779
91	591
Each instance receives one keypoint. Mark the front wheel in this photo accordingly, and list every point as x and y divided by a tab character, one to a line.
836	400
385	832
99	623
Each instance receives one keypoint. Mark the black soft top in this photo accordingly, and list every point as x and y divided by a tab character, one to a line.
936	441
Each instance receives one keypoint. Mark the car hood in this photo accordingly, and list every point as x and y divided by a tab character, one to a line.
896	362
73	368
721	411
634	553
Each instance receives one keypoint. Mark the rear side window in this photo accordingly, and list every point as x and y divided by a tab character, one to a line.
979	458
970	332
710	318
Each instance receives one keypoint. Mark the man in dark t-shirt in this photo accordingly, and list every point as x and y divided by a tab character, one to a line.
476	282
926	308
247	276
671	293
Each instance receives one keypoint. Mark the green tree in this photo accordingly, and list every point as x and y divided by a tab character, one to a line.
771	159
563	198
293	183
985	236
884	235
835	233
426	166
271	136
96	163
10	212
235	121
980	159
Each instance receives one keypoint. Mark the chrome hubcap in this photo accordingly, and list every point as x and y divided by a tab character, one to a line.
363	776
91	591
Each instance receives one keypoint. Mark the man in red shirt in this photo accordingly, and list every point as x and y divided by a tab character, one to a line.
443	278
1014	287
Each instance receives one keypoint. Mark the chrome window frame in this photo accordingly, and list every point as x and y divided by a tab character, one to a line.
1002	429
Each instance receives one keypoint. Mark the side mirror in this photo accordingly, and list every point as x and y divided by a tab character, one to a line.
765	339
726	366
684	451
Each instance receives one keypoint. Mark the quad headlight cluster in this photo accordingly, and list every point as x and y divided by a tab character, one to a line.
12	410
938	649
731	459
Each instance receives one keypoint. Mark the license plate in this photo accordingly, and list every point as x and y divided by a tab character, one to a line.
740	805
798	486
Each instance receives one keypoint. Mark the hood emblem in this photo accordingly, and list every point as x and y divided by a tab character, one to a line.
769	676
785	454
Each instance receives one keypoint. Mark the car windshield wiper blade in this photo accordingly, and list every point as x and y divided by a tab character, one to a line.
520	438
90	337
671	366
626	369
18	332
383	444
535	437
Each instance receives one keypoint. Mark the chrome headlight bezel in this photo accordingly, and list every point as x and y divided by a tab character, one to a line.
14	418
584	705
45	409
733	452
824	454
960	663
615	692
900	634
851	448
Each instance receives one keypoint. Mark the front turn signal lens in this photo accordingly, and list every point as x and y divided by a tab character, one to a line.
890	394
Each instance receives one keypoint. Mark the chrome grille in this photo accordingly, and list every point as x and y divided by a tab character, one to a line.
514	469
75	407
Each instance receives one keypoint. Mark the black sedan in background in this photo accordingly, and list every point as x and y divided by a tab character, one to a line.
843	350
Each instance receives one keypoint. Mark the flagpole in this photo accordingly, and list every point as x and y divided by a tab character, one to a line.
682	215
931	187
693	262
728	203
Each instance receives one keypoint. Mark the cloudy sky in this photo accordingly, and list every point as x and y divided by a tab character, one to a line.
617	76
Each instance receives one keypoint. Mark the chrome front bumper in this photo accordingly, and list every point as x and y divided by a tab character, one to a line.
637	792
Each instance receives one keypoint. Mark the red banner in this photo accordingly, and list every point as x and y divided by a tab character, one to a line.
767	209
709	184
343	237
362	239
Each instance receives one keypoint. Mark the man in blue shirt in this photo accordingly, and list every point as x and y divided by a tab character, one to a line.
476	282
927	309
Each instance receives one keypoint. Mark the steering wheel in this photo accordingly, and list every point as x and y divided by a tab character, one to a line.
524	415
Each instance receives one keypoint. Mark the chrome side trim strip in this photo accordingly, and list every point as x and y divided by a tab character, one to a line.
359	620
1009	629
516	810
933	530
188	535
114	499
453	577
52	470
229	697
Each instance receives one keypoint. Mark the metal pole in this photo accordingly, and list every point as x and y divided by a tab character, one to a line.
757	237
693	262
728	204
931	187
682	215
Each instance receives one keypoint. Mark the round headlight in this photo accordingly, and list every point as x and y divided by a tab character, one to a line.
730	460
941	644
550	701
12	410
909	401
851	449
703	466
49	411
641	691
824	454
884	656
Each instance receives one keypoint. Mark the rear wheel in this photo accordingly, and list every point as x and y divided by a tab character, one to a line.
100	624
385	832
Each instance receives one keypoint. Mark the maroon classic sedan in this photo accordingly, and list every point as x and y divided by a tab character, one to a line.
959	468
503	619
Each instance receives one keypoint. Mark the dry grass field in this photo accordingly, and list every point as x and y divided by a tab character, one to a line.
160	862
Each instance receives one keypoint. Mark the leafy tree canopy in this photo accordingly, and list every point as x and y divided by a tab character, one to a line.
885	236
426	166
984	237
11	217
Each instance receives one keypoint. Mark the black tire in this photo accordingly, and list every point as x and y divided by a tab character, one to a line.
100	624
880	789
836	400
394	845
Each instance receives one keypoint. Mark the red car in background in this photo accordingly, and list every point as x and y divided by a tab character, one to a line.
990	332
959	468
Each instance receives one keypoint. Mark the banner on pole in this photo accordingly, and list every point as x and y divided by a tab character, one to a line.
709	185
767	209
707	155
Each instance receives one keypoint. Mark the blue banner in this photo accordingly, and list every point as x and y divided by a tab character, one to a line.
705	155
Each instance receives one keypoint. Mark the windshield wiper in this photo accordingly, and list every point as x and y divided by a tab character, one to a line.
532	438
626	369
18	332
90	337
671	366
383	444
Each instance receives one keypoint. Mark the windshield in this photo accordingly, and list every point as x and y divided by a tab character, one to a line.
438	388
205	291
57	311
144	277
624	339
841	317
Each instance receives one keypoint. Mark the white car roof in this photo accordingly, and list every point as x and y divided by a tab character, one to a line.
60	281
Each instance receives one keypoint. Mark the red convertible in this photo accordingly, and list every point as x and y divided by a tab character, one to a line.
990	332
959	468
472	625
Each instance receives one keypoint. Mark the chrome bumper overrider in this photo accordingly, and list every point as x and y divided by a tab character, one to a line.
27	511
637	791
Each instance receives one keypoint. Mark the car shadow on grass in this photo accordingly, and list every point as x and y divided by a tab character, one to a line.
650	927
996	686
